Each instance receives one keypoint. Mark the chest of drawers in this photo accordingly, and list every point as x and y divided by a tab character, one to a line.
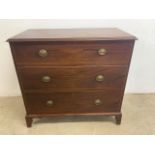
66	72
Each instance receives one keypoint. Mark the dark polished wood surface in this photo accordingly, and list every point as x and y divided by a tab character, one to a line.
64	80
72	35
118	53
72	77
77	102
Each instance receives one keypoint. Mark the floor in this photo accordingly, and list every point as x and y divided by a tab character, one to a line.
138	118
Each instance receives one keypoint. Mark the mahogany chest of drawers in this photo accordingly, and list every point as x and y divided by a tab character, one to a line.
72	71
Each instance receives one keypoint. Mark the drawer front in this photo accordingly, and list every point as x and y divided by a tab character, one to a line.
73	54
55	78
59	103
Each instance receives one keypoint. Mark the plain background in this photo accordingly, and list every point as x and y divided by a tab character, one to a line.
142	70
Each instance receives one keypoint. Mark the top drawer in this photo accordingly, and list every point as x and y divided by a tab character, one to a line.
73	53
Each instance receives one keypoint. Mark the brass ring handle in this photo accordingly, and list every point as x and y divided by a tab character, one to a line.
43	53
102	51
49	103
98	102
46	79
99	78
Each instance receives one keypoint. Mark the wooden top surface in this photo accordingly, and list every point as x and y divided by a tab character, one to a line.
84	34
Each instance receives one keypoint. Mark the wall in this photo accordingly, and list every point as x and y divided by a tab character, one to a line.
142	71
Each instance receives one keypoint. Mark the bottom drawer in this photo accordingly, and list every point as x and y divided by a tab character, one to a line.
79	102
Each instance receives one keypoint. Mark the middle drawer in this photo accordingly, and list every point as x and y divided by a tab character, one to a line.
56	78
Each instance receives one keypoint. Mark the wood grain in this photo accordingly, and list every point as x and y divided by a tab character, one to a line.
72	35
118	53
72	77
72	63
73	102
